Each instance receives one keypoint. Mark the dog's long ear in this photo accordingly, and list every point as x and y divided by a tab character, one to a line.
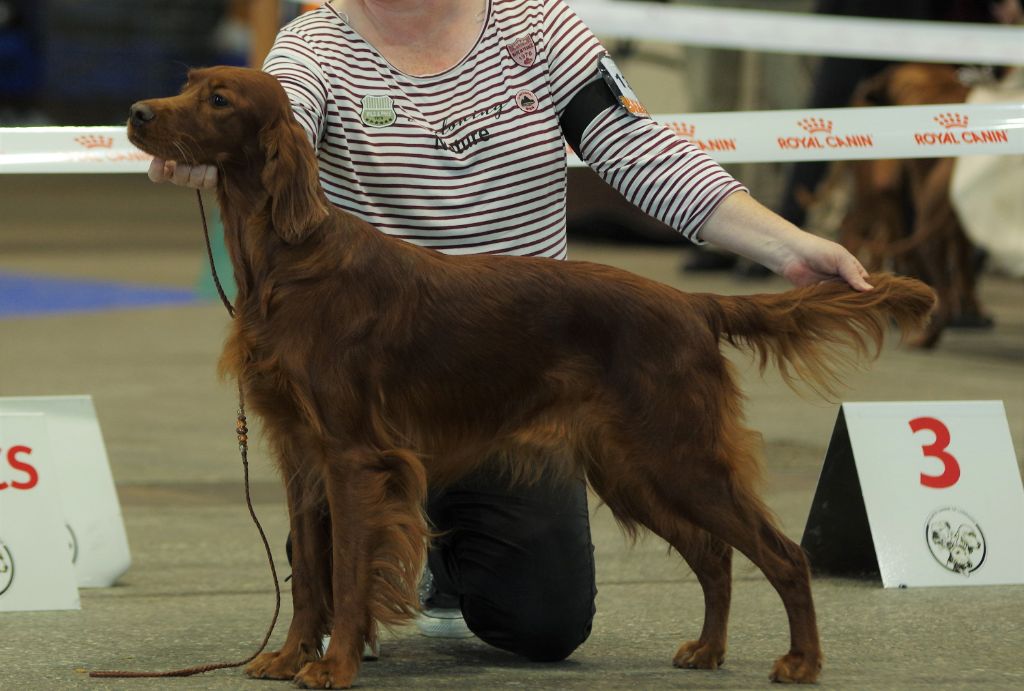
290	177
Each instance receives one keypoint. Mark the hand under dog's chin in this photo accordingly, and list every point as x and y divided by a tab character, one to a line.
159	148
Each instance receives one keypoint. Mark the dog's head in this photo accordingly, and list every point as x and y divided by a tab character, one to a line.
239	120
911	84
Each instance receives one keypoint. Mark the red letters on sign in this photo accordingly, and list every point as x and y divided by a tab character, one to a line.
937	449
22	466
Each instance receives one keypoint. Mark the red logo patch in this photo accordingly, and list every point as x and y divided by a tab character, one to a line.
523	50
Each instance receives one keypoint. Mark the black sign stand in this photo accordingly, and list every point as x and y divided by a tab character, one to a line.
837	538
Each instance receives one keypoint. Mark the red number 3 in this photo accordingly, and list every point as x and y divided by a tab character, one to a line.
937	449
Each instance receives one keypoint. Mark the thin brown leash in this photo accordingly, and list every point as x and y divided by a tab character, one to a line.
243	449
213	264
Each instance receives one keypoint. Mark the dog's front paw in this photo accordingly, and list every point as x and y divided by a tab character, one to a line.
699	655
266	666
796	668
278	665
325	674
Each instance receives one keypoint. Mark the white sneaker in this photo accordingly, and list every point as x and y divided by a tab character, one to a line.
436	622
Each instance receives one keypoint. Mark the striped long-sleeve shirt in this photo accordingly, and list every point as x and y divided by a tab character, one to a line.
472	160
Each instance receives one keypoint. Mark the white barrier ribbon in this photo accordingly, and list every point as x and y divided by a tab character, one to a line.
836	134
806	34
69	150
828	134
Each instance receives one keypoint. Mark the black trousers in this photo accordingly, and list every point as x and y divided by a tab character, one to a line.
520	561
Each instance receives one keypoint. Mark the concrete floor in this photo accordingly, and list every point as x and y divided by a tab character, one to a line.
199	589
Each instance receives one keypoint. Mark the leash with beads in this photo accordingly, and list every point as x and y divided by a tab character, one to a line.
242	432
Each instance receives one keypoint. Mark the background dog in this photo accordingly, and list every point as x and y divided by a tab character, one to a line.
901	216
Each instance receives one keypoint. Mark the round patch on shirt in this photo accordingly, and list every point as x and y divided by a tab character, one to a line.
527	101
378	110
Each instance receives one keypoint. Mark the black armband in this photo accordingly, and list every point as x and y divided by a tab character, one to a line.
587	104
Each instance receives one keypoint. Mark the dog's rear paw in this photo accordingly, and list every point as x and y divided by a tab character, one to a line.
797	668
699	655
275	666
324	674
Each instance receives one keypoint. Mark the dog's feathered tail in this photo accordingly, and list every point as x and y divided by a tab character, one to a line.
813	334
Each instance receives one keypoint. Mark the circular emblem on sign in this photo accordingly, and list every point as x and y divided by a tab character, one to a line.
6	568
72	544
378	110
527	101
955	540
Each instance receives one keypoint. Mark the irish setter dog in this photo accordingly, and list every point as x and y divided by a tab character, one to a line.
379	368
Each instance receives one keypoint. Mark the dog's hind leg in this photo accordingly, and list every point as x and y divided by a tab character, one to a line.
714	491
711	561
728	511
784	563
709	557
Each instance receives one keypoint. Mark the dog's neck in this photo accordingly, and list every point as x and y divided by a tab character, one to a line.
258	253
244	207
239	189
262	256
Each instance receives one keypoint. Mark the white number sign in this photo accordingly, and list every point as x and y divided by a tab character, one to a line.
927	492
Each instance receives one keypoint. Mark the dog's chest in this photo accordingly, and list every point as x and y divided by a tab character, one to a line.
270	365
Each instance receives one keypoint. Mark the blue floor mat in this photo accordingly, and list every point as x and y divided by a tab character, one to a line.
22	295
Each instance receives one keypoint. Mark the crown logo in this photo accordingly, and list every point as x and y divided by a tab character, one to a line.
683	129
951	120
813	125
95	141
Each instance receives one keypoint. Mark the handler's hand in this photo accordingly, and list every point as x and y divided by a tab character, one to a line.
200	177
814	259
742	225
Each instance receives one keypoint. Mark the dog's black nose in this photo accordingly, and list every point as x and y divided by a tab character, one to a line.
141	114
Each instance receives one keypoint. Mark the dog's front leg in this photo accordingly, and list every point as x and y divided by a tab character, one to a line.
309	522
350	579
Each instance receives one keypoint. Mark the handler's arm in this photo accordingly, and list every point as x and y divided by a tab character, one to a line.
742	225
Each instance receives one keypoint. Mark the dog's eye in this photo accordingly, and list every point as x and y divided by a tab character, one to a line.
218	101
